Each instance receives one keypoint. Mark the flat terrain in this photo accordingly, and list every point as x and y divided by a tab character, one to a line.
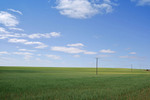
34	83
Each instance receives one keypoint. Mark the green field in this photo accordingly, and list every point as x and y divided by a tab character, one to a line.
37	83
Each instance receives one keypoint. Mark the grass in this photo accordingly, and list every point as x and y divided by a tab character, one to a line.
43	83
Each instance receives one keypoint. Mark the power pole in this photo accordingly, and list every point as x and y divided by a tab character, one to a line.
131	67
96	66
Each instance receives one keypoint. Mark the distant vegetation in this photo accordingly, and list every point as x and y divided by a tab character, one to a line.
34	83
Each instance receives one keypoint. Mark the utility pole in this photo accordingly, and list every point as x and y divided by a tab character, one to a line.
97	66
131	67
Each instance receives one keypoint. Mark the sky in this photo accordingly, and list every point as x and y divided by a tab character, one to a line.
72	33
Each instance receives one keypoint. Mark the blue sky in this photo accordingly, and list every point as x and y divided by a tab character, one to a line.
71	33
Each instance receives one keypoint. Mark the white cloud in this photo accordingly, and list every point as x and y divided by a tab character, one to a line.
26	42
16	35
142	2
41	46
3	52
2	37
16	29
46	35
53	56
70	50
3	30
128	48
75	45
107	8
27	55
67	49
30	43
22	53
8	19
17	11
38	59
108	1
38	35
133	57
89	52
27	50
55	34
124	56
83	8
132	53
107	51
102	56
31	36
76	8
17	40
39	55
76	56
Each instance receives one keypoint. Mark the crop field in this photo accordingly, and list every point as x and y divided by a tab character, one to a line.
48	83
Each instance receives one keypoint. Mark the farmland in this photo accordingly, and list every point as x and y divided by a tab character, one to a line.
49	83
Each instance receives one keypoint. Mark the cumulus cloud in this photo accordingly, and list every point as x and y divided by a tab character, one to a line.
105	7
30	43
72	50
27	55
3	30
142	2
16	29
15	35
103	56
27	50
41	46
31	36
107	51
38	35
38	54
75	45
8	19
16	11
67	49
124	56
89	52
3	52
133	57
26	42
53	56
83	8
55	34
132	53
76	56
15	40
22	53
127	48
46	35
